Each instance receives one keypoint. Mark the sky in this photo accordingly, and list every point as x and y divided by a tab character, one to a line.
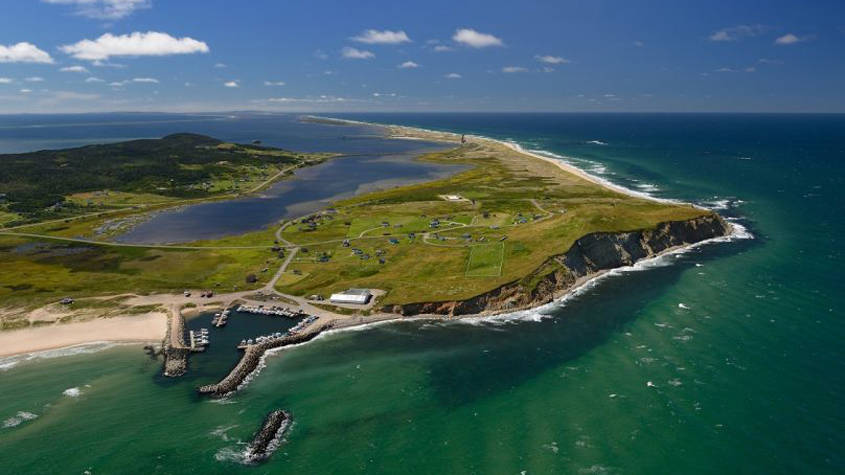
493	55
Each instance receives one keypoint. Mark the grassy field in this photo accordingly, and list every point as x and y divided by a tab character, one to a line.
519	212
485	260
407	241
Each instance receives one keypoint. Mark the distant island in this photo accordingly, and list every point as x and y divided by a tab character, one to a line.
511	230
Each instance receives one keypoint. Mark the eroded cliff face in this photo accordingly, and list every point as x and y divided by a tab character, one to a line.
589	255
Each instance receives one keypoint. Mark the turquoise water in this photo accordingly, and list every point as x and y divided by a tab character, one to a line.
724	359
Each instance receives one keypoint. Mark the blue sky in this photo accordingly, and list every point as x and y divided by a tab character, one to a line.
215	55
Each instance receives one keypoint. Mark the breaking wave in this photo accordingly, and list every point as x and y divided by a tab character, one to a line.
18	419
72	392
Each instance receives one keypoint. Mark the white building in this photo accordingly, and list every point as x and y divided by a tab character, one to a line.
352	296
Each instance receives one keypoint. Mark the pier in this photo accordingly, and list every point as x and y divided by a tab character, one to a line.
266	338
220	319
274	311
251	359
198	340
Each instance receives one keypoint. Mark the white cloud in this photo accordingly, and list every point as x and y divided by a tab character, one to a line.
453	76
549	59
475	39
274	83
323	99
231	84
354	53
103	9
94	79
727	70
791	39
220	65
735	33
74	69
127	81
25	91
6	80
384	94
408	65
639	44
34	79
382	37
547	69
151	43
23	52
513	69
442	48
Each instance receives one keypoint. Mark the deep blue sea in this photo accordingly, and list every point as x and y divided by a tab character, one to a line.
724	359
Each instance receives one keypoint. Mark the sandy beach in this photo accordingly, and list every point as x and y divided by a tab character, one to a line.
140	328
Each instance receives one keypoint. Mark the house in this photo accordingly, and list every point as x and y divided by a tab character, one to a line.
352	296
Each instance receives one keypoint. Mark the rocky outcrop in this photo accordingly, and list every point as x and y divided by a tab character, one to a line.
268	438
588	256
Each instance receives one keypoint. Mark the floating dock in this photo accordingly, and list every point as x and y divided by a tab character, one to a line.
274	311
198	340
220	319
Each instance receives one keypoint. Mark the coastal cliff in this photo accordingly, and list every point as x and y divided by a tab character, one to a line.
589	256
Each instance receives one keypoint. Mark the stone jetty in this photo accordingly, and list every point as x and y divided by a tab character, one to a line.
267	439
251	359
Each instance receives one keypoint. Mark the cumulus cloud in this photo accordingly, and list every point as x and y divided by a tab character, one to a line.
147	80
274	83
103	9
25	91
475	39
549	59
384	94
735	33
382	37
74	69
23	52
513	69
220	65
151	43
354	53
6	81
231	84
791	39
94	79
442	48
453	76
408	65
34	79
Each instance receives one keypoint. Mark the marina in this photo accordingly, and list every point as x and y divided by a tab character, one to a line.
275	310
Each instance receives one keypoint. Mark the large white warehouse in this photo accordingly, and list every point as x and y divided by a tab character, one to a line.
352	296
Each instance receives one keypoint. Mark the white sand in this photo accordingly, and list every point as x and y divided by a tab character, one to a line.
140	328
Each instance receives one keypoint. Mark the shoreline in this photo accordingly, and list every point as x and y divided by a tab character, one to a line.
346	323
126	329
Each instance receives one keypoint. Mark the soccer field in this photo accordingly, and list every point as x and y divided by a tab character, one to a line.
486	260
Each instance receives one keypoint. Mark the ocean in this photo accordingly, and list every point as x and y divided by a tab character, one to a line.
726	358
